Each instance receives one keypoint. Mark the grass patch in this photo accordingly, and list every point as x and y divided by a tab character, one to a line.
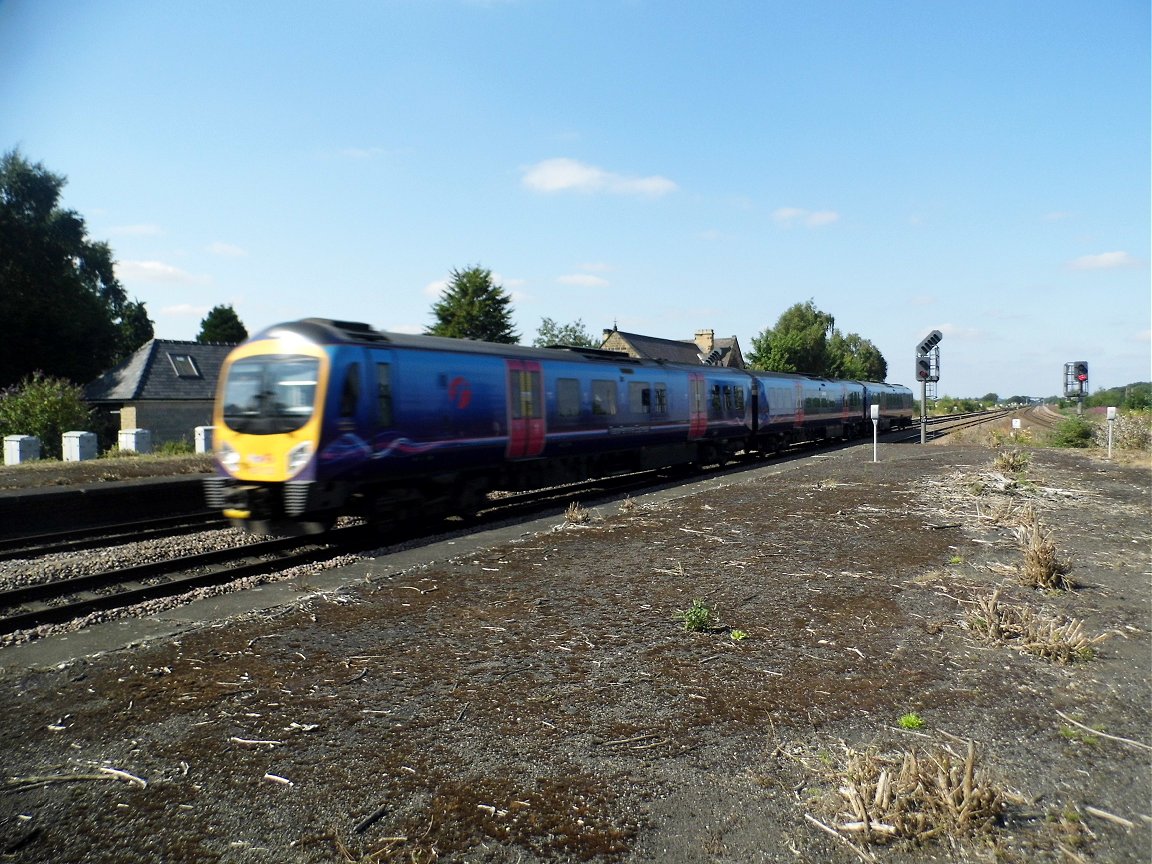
696	618
911	720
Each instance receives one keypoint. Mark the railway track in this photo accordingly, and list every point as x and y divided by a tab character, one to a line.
75	540
60	600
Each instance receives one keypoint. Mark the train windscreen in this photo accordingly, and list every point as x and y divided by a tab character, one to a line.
271	394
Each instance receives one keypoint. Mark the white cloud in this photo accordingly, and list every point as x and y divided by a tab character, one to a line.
584	280
1104	261
155	271
226	250
789	216
559	175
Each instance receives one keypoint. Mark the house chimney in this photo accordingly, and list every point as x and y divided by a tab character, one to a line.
705	341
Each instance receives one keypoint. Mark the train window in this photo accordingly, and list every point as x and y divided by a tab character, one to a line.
639	397
728	402
738	393
567	397
603	397
717	404
350	394
660	400
384	394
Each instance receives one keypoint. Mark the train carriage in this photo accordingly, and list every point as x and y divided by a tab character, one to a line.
319	418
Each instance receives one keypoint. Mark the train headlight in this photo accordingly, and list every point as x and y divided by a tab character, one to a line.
298	456
229	457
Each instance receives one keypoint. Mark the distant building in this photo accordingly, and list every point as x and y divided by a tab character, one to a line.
166	387
705	348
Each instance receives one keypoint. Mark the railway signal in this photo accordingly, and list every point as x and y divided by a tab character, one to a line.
927	369
1076	382
930	342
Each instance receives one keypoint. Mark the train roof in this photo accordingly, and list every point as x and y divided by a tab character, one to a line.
326	331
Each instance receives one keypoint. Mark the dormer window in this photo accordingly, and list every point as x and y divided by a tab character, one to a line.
184	365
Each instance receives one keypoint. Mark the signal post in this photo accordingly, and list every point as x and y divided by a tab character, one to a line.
927	369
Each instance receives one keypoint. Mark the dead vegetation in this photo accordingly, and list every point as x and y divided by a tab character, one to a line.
1042	566
1062	641
914	796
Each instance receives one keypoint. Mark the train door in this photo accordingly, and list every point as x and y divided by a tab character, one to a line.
525	409
697	405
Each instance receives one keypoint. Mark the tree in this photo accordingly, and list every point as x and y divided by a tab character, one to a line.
60	301
222	325
806	340
474	307
990	398
575	334
135	330
45	407
855	358
798	342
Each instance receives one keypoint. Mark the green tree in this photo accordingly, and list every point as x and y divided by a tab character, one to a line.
474	307
798	342
45	407
855	358
135	330
990	398
575	334
223	326
60	301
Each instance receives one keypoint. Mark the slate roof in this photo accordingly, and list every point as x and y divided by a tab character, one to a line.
162	369
673	350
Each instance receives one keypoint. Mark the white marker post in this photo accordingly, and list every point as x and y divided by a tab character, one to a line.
875	432
1015	427
1111	425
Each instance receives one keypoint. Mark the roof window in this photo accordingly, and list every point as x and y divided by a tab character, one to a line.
184	365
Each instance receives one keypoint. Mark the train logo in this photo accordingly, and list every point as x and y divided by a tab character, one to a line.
460	392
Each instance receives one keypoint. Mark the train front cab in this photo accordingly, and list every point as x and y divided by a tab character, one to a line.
292	417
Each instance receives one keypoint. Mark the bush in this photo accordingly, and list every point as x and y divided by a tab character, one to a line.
45	407
1131	431
1072	432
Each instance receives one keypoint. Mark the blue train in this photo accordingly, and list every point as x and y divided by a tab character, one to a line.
320	418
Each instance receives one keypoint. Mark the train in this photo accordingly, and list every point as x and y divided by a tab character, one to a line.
318	418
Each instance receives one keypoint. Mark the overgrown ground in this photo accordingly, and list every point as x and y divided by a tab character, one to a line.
542	700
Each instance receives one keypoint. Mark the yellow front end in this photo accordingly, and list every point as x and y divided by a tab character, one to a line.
272	438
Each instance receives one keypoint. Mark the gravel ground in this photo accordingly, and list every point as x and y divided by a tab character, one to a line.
541	700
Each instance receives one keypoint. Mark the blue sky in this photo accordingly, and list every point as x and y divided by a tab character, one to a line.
981	168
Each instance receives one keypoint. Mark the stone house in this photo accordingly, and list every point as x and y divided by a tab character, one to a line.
166	387
722	352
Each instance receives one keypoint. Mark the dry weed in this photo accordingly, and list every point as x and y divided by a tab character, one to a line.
1062	641
1012	461
1042	567
916	796
577	514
